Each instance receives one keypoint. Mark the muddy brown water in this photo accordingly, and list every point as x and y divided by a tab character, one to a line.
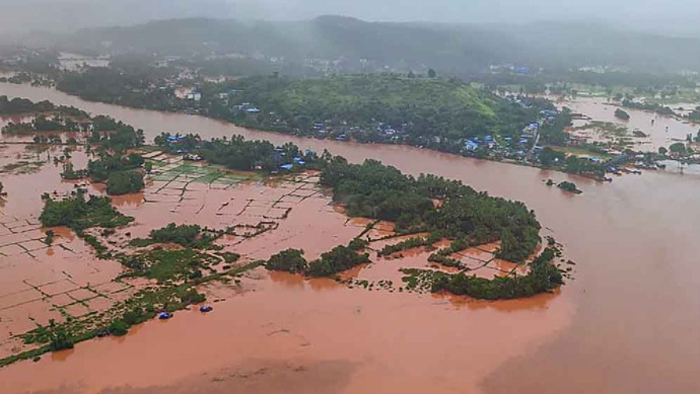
627	324
661	130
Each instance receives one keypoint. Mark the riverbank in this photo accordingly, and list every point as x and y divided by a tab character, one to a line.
501	154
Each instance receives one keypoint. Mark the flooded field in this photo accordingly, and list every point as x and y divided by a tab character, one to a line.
661	131
74	62
626	324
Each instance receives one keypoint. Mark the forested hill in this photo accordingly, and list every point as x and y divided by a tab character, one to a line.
371	107
330	37
356	45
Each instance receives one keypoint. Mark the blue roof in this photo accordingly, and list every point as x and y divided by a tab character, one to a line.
286	167
471	145
253	110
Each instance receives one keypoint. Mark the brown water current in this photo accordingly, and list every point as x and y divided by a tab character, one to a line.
626	324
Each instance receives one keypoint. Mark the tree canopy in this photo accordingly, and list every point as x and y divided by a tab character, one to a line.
376	191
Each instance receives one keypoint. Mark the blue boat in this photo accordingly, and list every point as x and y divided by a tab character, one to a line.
165	316
205	308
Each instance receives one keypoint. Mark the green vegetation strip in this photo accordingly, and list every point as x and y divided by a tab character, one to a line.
138	309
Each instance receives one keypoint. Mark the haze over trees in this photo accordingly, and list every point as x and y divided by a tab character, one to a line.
369	46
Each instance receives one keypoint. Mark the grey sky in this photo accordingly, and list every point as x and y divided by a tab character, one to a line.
662	15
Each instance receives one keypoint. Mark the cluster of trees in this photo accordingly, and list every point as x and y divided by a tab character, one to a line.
122	173
376	191
189	236
543	276
694	115
408	244
290	260
653	107
58	337
100	170
571	164
678	148
550	157
433	112
19	106
168	265
339	259
132	86
50	117
42	124
237	153
176	143
583	165
569	187
70	173
555	133
124	182
80	213
106	131
390	108
115	135
621	114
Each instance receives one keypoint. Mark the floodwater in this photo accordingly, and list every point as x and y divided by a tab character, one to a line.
662	131
626	324
73	62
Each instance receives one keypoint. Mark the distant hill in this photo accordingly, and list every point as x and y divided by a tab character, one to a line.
353	42
330	37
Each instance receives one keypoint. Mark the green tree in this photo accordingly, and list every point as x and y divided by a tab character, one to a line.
290	260
124	182
58	337
621	114
118	328
678	148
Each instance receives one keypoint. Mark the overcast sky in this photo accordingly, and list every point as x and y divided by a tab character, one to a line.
667	15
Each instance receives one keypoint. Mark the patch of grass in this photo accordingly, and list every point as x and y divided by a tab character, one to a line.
156	163
579	151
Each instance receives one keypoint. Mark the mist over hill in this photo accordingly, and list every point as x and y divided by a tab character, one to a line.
451	48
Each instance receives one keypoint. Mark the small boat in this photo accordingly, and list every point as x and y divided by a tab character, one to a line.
165	316
205	308
102	334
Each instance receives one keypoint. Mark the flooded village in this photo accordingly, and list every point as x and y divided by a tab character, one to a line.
304	197
363	331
